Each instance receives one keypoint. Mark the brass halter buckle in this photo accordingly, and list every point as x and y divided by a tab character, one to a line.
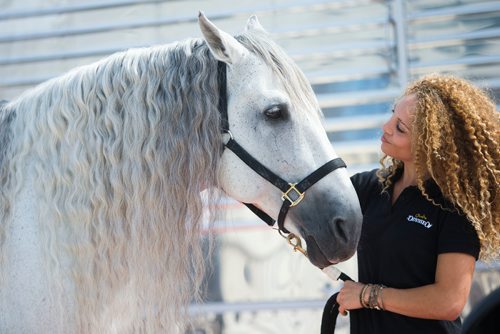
295	194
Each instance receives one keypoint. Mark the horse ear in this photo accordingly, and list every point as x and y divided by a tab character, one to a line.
254	24
224	47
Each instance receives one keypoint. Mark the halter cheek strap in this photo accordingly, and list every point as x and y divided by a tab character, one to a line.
292	193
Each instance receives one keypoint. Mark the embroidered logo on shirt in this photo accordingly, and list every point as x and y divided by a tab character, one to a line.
419	219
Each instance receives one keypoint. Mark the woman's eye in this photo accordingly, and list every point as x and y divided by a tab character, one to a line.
398	127
274	112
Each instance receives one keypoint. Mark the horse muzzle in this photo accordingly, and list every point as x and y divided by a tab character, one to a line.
330	226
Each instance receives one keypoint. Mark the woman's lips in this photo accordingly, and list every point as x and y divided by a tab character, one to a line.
383	139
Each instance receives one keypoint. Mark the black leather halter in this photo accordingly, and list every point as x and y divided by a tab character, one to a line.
292	193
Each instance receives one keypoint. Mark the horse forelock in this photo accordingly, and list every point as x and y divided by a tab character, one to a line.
122	150
293	79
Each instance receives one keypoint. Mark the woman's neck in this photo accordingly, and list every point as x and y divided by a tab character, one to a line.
409	178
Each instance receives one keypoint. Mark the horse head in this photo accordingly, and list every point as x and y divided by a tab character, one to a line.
274	117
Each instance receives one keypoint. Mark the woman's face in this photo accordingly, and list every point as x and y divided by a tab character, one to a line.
396	138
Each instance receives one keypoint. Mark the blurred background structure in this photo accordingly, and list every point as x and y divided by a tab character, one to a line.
357	54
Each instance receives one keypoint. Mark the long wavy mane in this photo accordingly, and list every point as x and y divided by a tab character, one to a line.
121	151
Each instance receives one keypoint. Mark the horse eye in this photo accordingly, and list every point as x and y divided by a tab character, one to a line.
274	112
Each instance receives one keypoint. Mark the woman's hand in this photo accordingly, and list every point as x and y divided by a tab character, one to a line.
348	297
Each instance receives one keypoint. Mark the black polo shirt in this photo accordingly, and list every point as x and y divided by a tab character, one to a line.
399	246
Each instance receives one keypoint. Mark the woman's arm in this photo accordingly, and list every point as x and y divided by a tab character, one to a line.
443	300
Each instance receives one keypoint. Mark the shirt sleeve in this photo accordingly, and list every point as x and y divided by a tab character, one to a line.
457	235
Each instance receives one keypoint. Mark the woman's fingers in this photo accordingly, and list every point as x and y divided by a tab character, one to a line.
348	297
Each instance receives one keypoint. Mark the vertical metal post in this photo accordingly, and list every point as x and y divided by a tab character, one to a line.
400	26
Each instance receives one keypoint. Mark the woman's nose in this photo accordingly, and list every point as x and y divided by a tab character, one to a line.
386	127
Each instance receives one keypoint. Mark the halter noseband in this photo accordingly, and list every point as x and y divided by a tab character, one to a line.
292	193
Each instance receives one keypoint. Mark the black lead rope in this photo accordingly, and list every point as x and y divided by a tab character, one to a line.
331	310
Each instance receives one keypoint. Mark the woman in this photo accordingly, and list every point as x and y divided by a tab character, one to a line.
430	211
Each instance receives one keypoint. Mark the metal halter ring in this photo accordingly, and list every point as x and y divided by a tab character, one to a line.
228	132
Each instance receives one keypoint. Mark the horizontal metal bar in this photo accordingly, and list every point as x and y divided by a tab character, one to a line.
336	124
357	97
25	59
346	74
443	13
492	266
37	35
23	81
346	26
217	308
461	62
452	39
489	83
72	8
361	48
356	147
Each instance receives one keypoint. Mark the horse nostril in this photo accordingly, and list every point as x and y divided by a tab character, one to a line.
340	228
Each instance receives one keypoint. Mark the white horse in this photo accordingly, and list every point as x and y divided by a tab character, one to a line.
102	174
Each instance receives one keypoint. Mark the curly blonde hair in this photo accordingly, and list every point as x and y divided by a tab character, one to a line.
455	143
